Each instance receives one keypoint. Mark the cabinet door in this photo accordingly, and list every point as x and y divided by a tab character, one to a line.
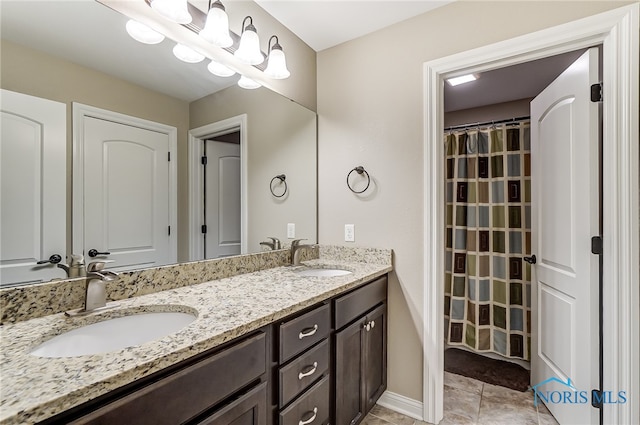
249	409
349	369
375	355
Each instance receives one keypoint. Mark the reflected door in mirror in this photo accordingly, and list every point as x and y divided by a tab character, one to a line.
222	198
126	194
33	188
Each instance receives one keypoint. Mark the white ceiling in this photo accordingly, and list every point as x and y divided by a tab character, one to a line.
326	23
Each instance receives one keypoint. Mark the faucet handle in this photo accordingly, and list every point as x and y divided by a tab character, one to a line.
276	242
296	242
76	260
96	266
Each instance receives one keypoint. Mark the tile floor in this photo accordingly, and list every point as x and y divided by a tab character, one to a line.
468	401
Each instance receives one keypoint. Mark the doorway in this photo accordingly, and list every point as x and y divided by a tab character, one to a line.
617	31
231	161
512	194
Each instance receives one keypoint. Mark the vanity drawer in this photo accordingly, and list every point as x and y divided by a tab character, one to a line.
300	333
312	408
189	391
295	377
358	302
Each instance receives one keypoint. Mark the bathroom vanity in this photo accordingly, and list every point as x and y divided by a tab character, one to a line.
270	347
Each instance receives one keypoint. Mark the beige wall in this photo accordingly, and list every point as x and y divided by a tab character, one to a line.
281	140
35	73
370	113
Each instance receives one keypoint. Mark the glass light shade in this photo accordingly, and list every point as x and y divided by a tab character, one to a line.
142	33
174	10
277	65
216	28
248	83
187	54
216	68
249	50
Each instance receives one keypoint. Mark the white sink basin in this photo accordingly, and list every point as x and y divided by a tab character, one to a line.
323	272
114	334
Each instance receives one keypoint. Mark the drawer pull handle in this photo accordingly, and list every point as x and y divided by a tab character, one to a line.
309	372
308	332
311	419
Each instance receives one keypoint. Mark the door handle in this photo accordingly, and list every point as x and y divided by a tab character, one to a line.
94	253
530	260
54	259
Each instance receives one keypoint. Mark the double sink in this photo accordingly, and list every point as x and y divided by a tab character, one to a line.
134	329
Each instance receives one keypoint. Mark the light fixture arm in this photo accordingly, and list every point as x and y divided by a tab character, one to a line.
249	27
275	46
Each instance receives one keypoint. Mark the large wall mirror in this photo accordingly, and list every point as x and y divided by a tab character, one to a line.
78	53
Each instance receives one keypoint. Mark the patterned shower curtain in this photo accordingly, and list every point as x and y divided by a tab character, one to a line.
488	216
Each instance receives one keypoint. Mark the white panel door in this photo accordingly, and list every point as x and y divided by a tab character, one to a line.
565	215
33	184
222	199
126	195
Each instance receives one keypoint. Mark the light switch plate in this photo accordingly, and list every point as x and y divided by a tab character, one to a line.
291	230
349	233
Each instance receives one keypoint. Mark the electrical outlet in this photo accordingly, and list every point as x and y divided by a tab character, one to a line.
349	233
291	230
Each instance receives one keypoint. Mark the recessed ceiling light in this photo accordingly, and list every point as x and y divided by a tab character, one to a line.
461	79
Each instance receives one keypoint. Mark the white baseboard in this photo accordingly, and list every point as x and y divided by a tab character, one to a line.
401	404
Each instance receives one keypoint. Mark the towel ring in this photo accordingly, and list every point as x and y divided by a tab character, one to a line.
282	179
360	170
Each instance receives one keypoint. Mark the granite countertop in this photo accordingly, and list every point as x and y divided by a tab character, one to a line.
35	388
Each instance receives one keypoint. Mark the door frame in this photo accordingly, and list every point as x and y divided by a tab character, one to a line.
79	113
196	136
617	31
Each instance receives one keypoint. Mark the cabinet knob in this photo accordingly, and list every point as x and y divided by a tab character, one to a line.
311	419
373	324
308	332
311	369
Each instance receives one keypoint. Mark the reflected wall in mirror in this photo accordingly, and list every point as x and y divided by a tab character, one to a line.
38	48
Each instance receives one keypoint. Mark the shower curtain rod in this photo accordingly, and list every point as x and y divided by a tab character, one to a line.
482	124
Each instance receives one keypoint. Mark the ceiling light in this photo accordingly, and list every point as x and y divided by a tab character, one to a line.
248	83
216	28
277	65
461	79
174	10
143	33
249	50
187	54
216	68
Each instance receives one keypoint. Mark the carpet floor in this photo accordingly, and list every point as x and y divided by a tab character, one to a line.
491	371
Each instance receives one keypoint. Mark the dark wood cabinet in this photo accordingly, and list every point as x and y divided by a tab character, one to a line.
360	352
326	365
248	409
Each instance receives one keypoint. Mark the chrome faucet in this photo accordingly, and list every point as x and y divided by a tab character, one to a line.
274	244
296	247
95	289
75	268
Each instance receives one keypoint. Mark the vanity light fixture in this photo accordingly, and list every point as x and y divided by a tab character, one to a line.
187	54
216	27
277	63
143	33
249	50
461	79
173	10
248	83
216	68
